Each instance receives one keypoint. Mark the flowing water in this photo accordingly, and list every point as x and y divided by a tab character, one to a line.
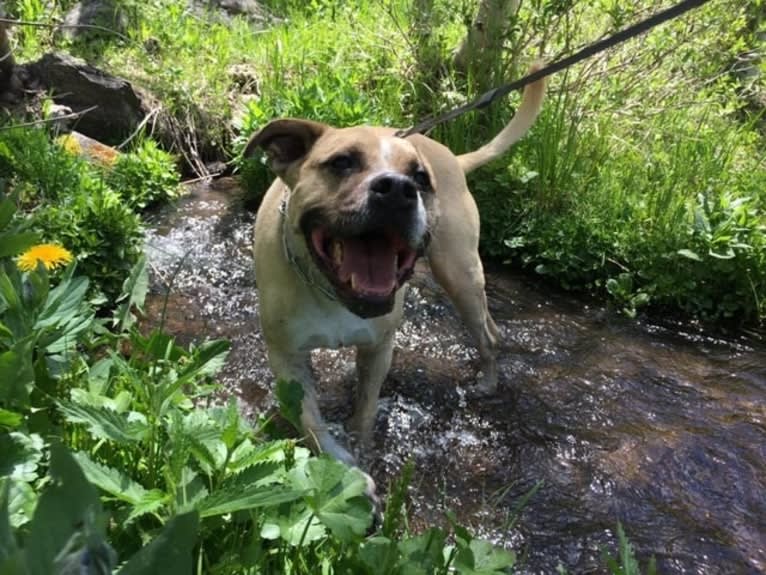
658	426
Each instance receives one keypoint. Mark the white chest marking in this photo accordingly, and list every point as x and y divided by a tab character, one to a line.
331	326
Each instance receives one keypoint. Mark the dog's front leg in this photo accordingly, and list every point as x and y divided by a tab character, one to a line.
297	367
372	365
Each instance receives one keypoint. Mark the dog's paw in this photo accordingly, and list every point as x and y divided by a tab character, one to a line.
377	506
484	387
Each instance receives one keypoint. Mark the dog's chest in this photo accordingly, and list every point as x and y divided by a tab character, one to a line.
332	327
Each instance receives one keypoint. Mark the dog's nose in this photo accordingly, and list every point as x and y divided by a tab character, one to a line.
394	191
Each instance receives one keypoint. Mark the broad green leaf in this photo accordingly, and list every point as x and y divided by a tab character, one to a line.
234	429
9	297
15	243
104	423
7	209
613	287
133	294
689	254
335	493
66	336
727	255
199	434
423	553
118	404
248	454
208	359
22	503
6	335
17	376
20	455
210	453
231	500
170	553
259	474
10	418
111	480
7	540
191	489
295	524
379	554
98	375
11	557
482	558
150	502
290	397
64	302
68	503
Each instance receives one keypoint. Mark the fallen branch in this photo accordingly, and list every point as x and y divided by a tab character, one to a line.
140	127
32	24
42	121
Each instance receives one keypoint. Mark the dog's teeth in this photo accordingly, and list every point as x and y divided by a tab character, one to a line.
337	252
353	282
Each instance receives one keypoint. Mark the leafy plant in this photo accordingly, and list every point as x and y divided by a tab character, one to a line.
89	209
626	563
98	227
67	534
144	177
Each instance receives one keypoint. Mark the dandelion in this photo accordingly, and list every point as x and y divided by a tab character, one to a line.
51	256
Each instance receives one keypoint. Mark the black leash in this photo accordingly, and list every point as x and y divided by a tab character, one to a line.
591	50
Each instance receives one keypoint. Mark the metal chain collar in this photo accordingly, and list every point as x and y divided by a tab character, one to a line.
293	260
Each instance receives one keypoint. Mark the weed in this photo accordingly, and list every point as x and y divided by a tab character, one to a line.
145	177
89	209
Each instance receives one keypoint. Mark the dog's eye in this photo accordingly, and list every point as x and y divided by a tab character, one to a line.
421	179
343	163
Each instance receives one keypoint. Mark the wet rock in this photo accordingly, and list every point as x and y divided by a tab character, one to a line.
90	149
250	9
10	85
118	107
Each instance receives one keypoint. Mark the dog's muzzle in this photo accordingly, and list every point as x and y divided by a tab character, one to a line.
369	255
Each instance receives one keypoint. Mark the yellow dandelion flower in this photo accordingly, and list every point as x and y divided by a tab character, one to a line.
51	256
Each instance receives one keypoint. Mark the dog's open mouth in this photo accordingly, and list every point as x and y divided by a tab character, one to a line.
365	270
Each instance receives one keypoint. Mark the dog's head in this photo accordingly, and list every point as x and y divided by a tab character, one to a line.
361	199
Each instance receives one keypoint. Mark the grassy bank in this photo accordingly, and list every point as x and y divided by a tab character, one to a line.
643	181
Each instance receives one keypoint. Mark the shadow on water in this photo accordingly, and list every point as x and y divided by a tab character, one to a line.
659	427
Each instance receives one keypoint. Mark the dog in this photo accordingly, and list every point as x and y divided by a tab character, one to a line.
337	236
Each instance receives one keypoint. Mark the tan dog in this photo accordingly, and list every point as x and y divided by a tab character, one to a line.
337	236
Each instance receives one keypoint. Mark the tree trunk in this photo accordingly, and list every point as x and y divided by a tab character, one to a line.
428	49
7	62
480	53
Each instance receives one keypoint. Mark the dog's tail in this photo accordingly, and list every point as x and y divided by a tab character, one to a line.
522	121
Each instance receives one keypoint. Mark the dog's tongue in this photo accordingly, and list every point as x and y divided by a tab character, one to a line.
370	264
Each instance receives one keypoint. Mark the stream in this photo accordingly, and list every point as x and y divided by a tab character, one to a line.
658	425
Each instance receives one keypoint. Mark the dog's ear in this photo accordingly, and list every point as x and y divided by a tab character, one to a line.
286	142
